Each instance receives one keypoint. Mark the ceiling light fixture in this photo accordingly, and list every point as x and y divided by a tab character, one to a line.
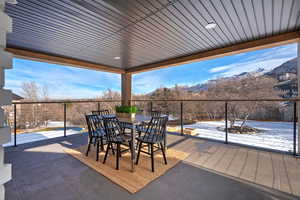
117	58
211	25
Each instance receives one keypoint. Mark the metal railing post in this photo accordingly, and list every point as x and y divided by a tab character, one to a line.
295	129
98	106
15	125
181	117
226	122
65	120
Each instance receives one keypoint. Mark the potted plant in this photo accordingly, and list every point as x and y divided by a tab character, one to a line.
126	111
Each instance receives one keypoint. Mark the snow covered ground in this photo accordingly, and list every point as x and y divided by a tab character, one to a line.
273	135
43	135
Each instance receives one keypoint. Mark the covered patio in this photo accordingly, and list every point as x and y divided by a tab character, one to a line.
133	37
42	170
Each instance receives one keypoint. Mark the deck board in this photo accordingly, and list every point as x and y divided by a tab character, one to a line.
237	163
271	169
293	174
250	169
225	162
281	181
265	170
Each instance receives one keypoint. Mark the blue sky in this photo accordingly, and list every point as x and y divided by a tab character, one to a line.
69	82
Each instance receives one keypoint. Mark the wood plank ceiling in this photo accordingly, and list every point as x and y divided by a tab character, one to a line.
143	32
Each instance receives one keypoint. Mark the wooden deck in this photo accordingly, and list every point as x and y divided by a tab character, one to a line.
274	170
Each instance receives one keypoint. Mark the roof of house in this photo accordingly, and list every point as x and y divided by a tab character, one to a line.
16	97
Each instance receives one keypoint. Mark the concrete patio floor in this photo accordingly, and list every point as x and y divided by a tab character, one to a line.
42	170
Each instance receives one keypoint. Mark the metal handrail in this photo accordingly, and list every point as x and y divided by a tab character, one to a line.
66	101
220	100
149	100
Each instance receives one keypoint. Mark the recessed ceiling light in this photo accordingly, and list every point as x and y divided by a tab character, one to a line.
211	25
117	58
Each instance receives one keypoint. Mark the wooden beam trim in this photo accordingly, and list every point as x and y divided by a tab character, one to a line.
269	42
42	57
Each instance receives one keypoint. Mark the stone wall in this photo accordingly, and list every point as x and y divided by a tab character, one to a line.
5	96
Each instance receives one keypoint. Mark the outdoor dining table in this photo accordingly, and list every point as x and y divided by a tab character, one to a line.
139	118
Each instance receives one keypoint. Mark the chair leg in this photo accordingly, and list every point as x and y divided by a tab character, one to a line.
117	157
163	152
112	149
107	149
95	142
130	147
97	156
149	148
89	146
102	145
139	151
152	158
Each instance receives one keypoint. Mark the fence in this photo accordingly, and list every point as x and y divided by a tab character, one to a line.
206	112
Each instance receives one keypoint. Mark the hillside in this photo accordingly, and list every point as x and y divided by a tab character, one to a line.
289	66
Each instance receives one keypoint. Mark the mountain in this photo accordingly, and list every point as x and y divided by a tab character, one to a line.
258	72
289	66
197	88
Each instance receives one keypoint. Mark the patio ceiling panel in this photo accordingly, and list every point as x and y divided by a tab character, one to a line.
144	32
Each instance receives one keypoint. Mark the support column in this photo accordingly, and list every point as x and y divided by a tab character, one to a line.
5	96
126	89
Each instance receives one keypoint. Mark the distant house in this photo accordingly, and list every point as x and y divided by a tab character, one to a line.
287	84
286	76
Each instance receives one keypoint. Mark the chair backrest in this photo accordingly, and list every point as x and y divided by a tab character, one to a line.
94	122
112	127
100	112
155	114
156	128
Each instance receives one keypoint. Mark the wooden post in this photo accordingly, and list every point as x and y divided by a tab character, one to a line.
126	89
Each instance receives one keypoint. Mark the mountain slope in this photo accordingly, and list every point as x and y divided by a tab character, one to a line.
289	66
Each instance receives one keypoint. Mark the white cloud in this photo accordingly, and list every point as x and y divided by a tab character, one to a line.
261	59
219	69
63	82
238	68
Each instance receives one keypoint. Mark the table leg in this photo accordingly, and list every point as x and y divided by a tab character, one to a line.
133	154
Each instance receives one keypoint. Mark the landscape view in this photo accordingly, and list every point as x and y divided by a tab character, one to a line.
267	124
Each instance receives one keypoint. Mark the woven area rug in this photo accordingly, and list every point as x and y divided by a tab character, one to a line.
131	181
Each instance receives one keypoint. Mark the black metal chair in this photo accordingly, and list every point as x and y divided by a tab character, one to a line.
115	135
96	132
154	134
100	112
155	113
143	126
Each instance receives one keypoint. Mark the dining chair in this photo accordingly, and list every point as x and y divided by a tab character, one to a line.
155	113
96	133
115	135
141	128
154	136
